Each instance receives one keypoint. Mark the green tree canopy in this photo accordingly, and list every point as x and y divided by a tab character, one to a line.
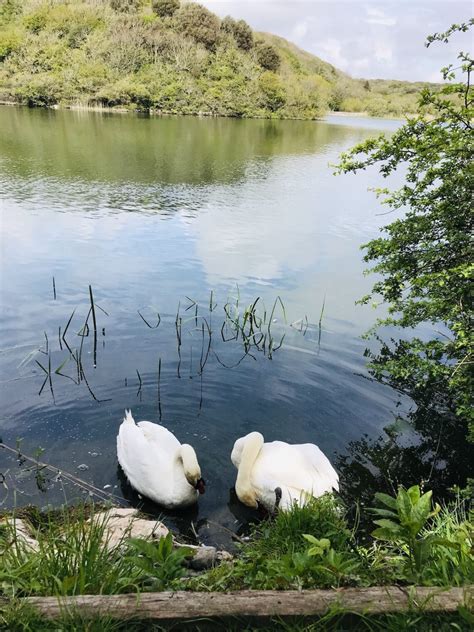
165	8
267	56
125	6
197	22
424	258
240	30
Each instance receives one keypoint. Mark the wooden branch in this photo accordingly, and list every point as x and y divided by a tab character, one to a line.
256	603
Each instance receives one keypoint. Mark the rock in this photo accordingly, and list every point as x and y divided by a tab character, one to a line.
204	557
224	556
123	523
22	533
82	467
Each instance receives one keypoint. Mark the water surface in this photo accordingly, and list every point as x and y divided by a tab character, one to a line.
155	213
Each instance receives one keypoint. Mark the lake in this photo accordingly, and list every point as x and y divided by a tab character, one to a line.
178	225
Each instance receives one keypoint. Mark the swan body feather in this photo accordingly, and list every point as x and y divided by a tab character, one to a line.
299	471
156	464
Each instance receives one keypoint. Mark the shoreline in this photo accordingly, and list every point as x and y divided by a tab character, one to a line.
78	107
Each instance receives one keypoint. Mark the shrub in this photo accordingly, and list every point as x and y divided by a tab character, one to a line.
40	90
127	45
267	56
273	91
125	6
9	9
10	41
240	31
195	21
37	20
165	8
126	91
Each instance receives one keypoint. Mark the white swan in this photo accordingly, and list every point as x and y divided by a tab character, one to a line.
157	464
278	475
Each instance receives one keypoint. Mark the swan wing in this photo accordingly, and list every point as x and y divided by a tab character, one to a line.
296	469
318	465
160	437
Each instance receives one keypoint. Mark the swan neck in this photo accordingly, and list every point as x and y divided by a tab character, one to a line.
250	453
186	456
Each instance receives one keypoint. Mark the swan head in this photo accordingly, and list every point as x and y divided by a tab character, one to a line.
191	468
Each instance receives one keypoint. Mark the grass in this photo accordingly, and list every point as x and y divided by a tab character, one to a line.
20	618
279	555
73	558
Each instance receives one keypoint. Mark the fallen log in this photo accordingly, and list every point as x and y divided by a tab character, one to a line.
257	603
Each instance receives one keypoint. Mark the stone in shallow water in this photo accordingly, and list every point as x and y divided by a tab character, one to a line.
82	467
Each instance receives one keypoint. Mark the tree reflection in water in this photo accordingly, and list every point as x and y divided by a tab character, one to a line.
428	445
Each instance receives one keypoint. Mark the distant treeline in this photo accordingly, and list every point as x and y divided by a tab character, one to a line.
172	57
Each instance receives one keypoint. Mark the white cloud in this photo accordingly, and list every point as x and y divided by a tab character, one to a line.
331	51
383	51
299	31
348	33
376	16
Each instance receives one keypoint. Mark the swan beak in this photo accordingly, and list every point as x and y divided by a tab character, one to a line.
200	486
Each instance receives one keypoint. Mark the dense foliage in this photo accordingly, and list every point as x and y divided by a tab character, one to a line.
314	547
240	30
165	8
424	260
171	57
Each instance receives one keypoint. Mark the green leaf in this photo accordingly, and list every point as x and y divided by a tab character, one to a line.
386	500
389	524
404	505
384	512
385	534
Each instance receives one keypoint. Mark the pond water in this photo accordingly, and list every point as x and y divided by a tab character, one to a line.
183	222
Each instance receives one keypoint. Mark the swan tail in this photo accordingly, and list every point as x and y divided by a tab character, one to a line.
128	419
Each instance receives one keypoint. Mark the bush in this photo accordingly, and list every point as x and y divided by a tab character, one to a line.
40	90
267	56
240	31
37	20
10	41
195	21
125	6
9	9
273	91
165	8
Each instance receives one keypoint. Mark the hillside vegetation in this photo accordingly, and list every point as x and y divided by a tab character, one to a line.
167	56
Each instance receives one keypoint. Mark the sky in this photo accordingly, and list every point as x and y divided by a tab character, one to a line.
381	39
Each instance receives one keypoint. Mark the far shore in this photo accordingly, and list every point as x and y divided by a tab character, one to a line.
152	112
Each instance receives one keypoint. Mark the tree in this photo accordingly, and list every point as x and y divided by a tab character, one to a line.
273	91
125	6
240	31
424	259
195	21
165	8
267	56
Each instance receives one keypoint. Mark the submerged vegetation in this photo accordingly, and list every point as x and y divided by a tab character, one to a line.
313	546
172	57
